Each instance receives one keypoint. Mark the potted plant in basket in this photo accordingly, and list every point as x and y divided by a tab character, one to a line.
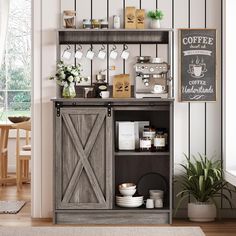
202	179
67	76
156	16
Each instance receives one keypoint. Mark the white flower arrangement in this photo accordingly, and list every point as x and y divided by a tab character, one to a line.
67	74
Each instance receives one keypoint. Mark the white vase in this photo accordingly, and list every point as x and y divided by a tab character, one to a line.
155	24
201	211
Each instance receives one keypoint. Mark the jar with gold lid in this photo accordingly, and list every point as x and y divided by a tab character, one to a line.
96	24
69	19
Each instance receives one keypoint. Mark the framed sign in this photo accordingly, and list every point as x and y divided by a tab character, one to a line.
198	65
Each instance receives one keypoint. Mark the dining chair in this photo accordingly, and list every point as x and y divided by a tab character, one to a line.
23	153
4	135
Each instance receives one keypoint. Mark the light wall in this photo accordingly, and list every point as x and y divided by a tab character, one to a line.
197	125
229	92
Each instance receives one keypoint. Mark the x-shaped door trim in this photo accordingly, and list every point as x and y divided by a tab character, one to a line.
83	153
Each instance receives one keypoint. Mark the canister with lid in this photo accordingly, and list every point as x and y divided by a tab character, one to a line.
87	24
159	141
96	24
165	132
149	132
145	144
104	24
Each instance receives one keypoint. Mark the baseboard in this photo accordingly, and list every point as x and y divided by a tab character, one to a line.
42	219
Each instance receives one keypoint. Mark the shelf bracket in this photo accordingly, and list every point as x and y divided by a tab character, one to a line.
58	106
109	109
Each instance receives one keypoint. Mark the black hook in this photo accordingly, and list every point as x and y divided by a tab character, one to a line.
79	47
114	47
68	48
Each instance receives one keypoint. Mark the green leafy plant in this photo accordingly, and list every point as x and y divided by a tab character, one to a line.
67	74
202	178
156	14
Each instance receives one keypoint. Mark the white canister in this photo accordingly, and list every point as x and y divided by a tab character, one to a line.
150	203
158	203
145	144
116	22
159	141
149	134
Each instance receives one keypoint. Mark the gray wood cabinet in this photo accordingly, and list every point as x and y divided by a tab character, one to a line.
88	167
83	159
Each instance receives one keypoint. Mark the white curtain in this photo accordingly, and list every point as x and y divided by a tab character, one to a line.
4	12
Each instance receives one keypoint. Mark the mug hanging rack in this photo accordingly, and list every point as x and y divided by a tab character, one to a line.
111	36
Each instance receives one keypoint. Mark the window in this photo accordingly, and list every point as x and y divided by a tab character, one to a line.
15	71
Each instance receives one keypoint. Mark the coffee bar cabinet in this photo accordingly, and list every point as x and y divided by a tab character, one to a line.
88	167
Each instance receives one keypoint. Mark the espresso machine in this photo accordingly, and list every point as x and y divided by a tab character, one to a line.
151	78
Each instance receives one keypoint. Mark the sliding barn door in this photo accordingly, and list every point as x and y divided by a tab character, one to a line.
83	162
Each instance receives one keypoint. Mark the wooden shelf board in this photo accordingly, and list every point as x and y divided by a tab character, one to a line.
111	36
142	209
137	153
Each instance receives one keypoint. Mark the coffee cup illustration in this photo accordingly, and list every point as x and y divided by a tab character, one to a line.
197	69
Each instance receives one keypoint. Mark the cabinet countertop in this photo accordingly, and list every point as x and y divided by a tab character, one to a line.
120	100
114	101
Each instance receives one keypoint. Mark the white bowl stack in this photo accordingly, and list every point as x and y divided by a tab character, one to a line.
128	200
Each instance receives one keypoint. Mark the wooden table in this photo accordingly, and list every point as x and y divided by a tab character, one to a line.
4	134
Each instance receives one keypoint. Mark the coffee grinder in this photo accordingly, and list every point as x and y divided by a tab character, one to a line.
101	83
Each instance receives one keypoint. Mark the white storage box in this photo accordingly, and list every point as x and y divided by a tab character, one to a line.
126	136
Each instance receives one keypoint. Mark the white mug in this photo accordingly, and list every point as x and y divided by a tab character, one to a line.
102	55
150	203
105	94
158	203
125	55
158	88
113	54
90	54
78	55
66	55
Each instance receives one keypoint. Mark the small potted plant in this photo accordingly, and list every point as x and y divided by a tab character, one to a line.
156	16
67	76
203	180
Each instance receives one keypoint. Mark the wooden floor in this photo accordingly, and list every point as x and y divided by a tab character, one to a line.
23	218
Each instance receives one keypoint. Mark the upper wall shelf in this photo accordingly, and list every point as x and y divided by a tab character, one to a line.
114	36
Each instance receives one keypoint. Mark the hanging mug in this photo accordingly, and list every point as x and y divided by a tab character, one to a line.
90	54
102	54
67	54
79	53
125	53
113	53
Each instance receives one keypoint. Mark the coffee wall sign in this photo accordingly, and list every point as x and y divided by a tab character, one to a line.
198	65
